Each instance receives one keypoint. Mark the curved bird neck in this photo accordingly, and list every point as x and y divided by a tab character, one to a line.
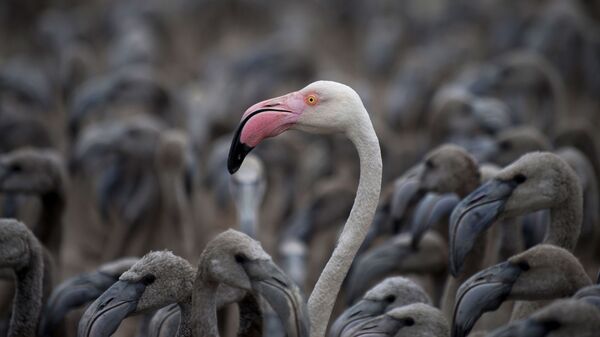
50	221
469	183
185	322
322	299
566	219
27	302
204	310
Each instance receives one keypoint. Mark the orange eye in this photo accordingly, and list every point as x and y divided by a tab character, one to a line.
311	100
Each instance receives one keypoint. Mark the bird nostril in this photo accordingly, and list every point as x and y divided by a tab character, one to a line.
355	313
104	304
477	198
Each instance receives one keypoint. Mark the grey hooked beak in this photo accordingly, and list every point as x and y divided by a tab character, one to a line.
103	317
526	328
355	315
71	294
379	326
473	216
165	321
405	194
373	265
483	292
430	211
282	294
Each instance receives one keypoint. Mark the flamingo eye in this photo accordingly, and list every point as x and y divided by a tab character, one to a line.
311	100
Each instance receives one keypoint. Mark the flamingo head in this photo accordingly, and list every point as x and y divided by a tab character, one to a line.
320	107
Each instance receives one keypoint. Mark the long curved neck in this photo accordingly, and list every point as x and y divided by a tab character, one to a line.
322	299
469	181
50	222
27	302
204	310
565	222
251	317
185	322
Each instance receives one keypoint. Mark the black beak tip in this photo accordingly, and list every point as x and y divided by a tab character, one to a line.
414	242
453	272
237	153
458	331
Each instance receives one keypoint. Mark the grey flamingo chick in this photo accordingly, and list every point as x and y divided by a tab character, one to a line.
236	260
390	293
22	252
156	280
161	278
397	255
38	173
564	318
413	320
543	272
538	180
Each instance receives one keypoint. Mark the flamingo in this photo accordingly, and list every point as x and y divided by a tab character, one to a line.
324	107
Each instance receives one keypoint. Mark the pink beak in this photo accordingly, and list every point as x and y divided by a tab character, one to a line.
263	120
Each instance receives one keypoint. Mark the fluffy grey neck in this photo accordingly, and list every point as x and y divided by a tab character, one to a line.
524	309
566	218
28	296
204	310
322	299
185	322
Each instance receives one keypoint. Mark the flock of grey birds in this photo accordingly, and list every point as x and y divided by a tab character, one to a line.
119	216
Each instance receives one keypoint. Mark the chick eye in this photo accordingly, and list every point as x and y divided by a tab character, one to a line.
240	258
148	279
524	266
16	168
409	321
520	178
505	145
311	100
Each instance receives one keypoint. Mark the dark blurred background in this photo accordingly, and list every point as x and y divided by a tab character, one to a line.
133	103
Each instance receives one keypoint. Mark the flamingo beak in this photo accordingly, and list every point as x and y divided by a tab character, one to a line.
429	212
362	311
483	292
282	294
378	326
263	120
375	264
473	216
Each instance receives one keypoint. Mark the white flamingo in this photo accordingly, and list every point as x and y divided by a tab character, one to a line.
322	107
